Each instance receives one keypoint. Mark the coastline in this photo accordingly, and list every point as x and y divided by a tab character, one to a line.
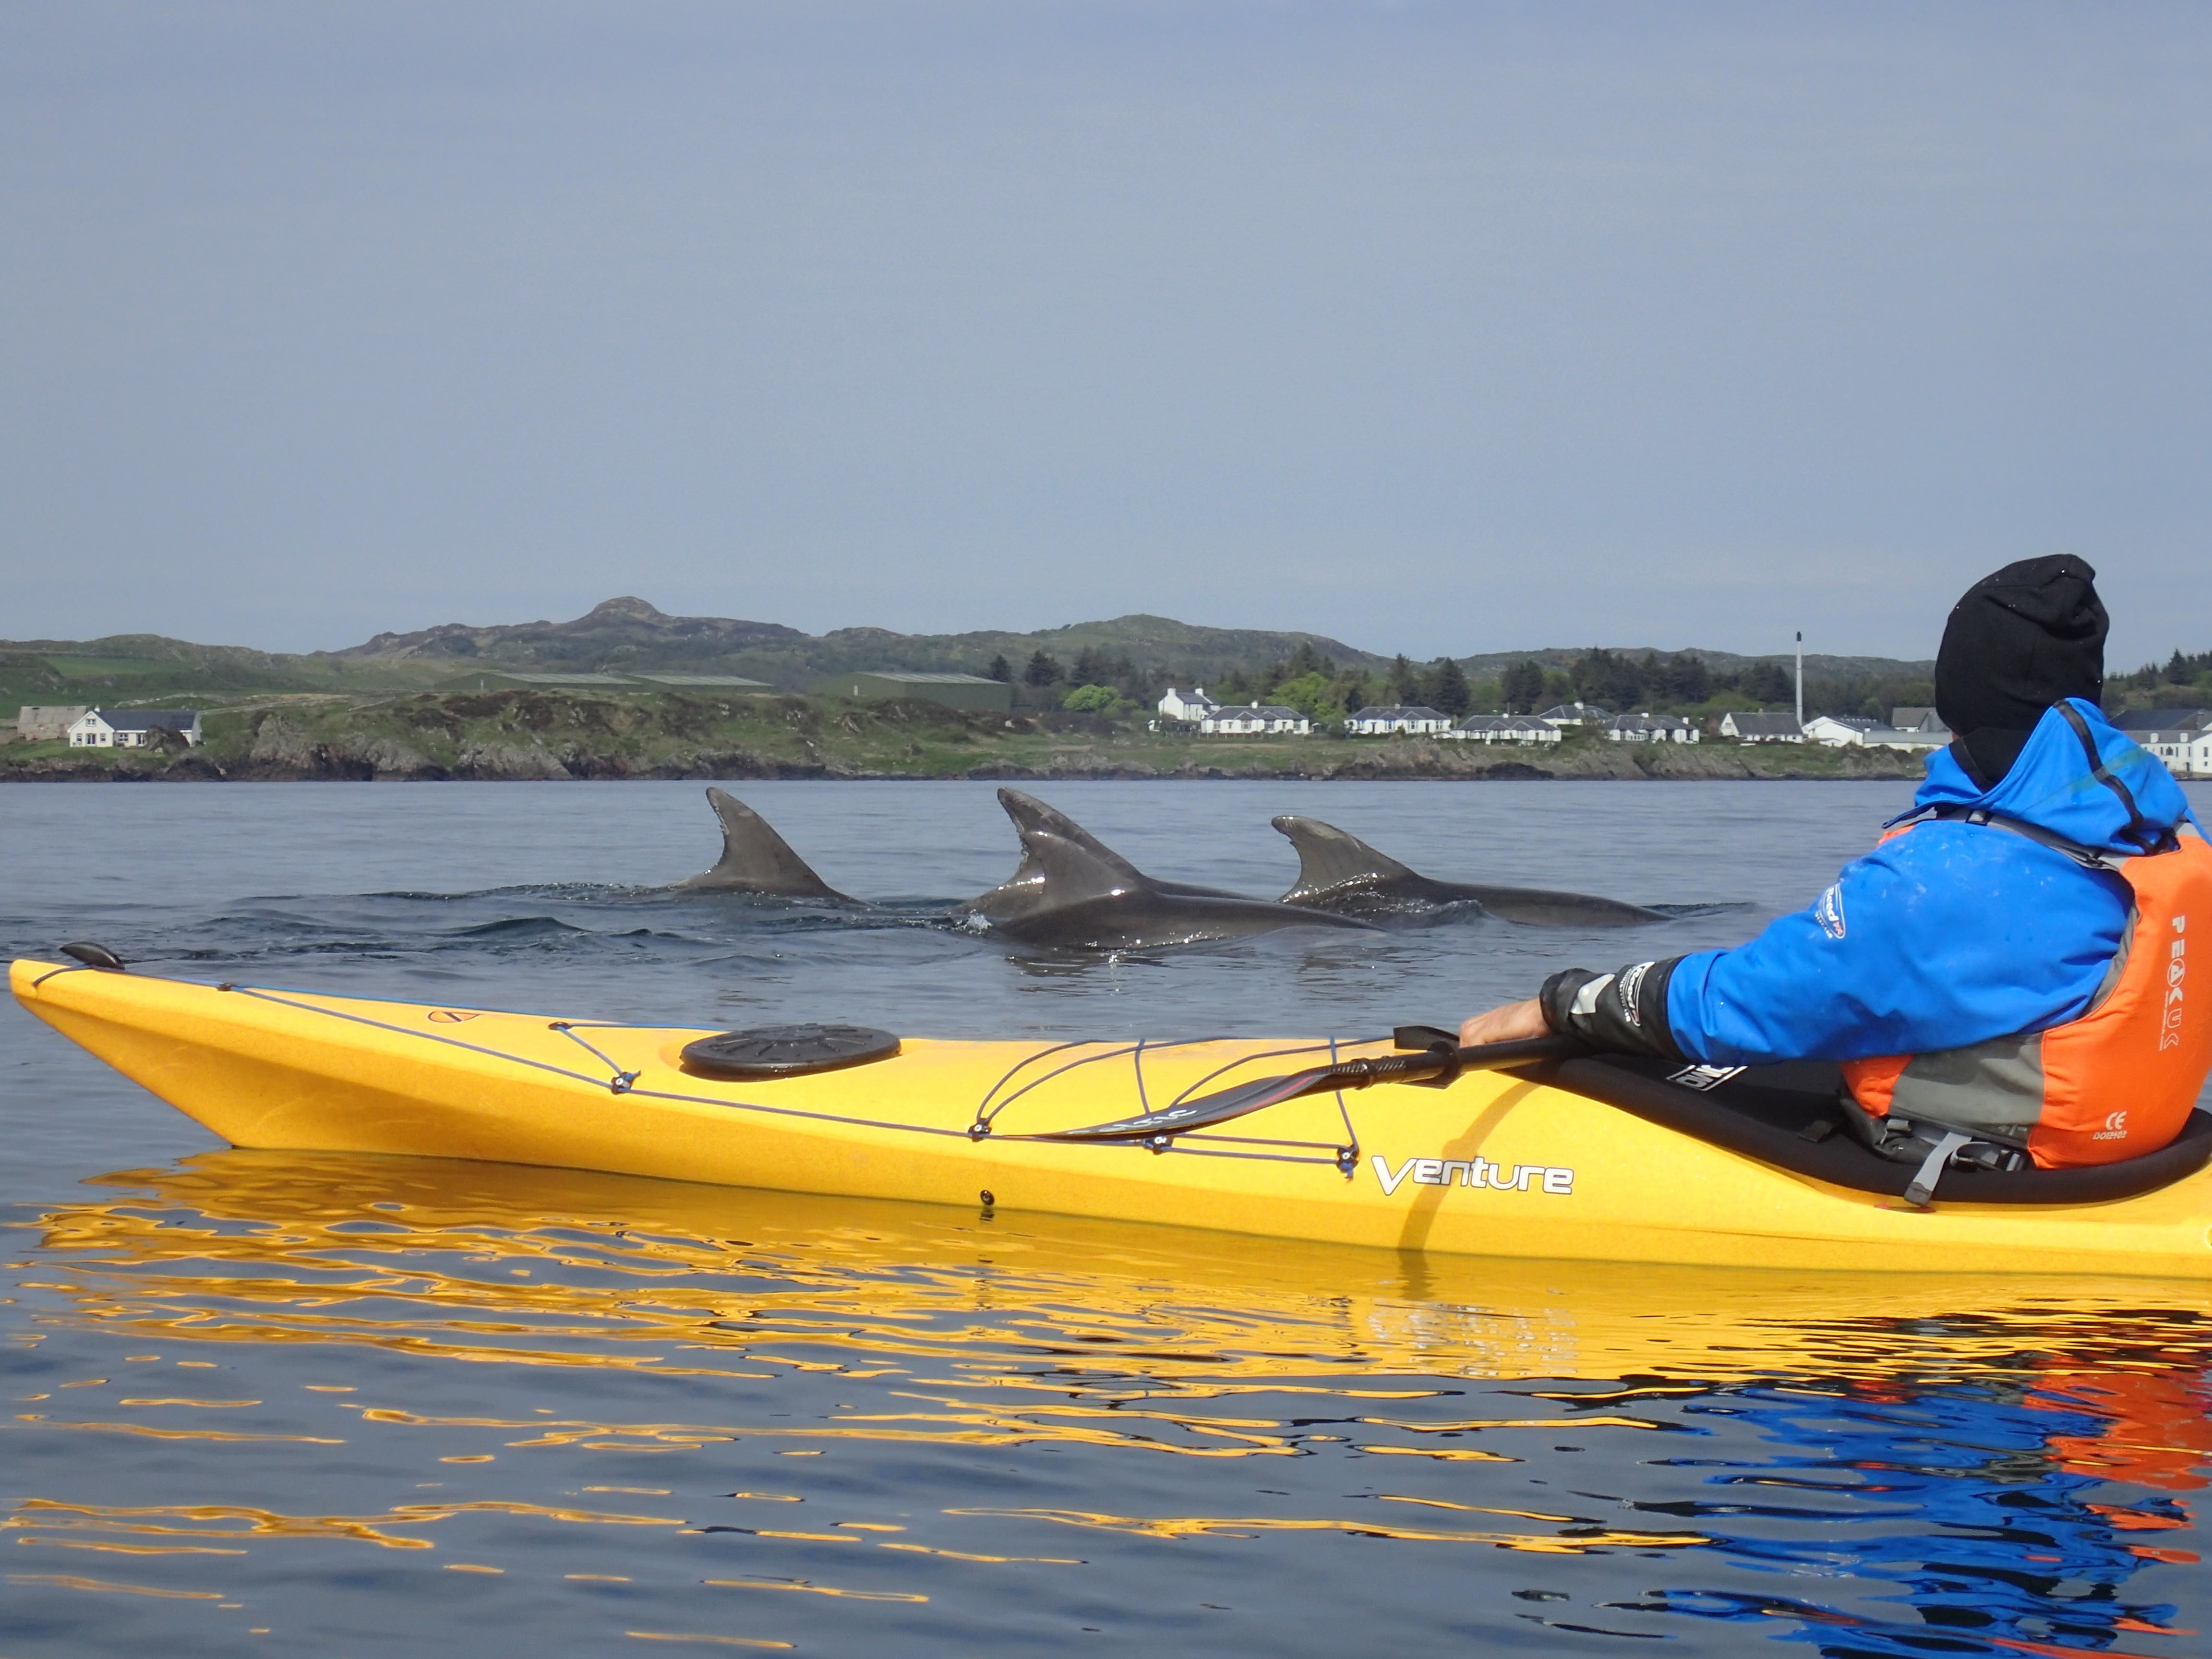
538	737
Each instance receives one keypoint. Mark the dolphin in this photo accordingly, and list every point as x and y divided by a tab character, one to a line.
1071	891
1340	874
757	859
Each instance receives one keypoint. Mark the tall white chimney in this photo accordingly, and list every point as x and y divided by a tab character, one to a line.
1801	679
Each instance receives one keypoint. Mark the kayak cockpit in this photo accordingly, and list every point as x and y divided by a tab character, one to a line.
1788	1116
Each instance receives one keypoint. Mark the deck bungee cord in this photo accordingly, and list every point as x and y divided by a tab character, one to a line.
1343	1156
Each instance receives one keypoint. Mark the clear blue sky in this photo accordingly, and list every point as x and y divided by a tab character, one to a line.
1439	327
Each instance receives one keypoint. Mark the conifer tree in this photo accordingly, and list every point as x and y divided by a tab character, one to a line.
1448	693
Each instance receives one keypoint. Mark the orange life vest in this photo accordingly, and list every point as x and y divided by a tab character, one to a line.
2118	1081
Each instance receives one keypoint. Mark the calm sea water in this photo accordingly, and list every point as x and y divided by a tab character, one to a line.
299	1404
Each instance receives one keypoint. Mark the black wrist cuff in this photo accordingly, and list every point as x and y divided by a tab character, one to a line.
1621	1013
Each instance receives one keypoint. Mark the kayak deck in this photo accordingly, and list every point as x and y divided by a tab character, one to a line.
1495	1163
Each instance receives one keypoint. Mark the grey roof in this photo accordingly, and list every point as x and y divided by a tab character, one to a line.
1575	711
1909	718
729	681
1764	726
1265	711
2160	719
1857	722
552	679
1396	711
905	678
145	720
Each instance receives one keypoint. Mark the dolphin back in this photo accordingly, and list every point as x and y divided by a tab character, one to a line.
1071	890
1334	862
755	858
1339	872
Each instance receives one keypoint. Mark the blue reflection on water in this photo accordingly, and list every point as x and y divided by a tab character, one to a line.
1994	1520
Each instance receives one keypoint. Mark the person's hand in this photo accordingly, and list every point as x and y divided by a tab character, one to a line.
1514	1020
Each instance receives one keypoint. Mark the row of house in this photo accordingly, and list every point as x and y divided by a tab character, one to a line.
1906	728
2182	738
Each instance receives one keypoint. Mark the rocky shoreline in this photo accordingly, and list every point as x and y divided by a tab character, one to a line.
323	764
532	737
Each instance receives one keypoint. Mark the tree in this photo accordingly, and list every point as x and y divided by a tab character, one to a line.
1687	679
1522	688
1313	695
1043	671
1448	692
1768	683
2177	668
1001	670
1091	700
1405	682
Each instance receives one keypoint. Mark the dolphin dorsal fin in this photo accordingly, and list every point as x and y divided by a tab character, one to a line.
1062	863
1037	823
757	859
1329	858
1072	872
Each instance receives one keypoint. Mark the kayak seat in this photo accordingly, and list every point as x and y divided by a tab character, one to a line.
1776	1115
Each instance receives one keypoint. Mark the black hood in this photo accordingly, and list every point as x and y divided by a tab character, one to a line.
2021	640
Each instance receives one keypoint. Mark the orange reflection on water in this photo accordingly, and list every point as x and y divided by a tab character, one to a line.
40	1516
1584	1538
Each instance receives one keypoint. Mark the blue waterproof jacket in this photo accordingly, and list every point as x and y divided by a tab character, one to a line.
1951	934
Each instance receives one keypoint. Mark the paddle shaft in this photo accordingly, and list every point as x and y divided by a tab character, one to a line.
1437	1062
1441	1060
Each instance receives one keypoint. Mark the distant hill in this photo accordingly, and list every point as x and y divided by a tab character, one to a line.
1817	663
630	633
617	630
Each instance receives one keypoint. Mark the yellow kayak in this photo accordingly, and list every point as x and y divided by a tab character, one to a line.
1590	1159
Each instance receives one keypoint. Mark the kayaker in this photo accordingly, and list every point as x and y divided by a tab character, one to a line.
2010	963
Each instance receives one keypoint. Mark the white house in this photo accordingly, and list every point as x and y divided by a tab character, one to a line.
1504	728
1650	728
1842	730
1920	719
1762	728
131	728
2187	753
1382	718
1576	713
1259	720
1856	732
1193	707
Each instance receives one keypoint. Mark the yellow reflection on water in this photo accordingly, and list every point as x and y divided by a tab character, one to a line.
1253	1526
970	1331
415	1255
39	1518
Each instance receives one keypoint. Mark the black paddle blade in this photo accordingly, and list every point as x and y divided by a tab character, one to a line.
1234	1102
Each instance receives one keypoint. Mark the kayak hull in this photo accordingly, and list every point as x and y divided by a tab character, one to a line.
1493	1164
